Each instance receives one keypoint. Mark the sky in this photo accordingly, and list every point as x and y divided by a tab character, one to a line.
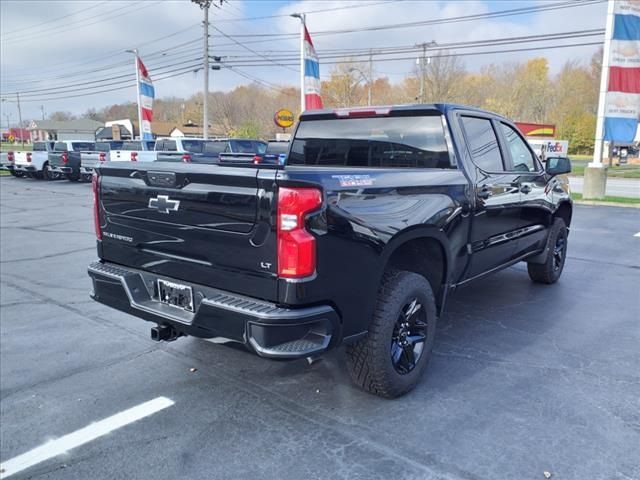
53	49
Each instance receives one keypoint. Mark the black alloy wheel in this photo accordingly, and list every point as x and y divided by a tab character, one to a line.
559	251
551	268
409	337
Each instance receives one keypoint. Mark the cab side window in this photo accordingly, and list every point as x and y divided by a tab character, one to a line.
521	157
483	144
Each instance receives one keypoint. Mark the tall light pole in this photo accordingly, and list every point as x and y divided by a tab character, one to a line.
302	18
423	66
135	53
204	5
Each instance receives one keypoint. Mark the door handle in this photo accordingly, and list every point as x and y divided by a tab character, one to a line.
525	189
485	192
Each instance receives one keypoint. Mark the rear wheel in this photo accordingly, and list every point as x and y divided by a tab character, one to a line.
549	272
391	359
16	174
47	174
85	177
73	177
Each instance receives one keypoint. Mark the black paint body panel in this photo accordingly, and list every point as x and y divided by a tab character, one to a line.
223	235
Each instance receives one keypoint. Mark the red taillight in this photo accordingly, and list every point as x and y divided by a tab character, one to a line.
296	246
28	157
186	158
10	156
134	156
257	159
95	183
65	157
102	157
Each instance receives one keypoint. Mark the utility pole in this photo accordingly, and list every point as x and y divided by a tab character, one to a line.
20	119
423	67
42	110
370	76
205	113
204	5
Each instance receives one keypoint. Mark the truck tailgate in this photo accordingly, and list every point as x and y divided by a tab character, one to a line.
196	223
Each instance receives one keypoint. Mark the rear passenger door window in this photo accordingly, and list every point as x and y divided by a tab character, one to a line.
170	146
483	144
522	159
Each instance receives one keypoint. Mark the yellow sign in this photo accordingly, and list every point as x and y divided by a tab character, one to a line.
284	118
11	138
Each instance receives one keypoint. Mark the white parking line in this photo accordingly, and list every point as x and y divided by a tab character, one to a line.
95	430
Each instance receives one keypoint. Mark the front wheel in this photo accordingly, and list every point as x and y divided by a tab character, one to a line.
549	272
391	359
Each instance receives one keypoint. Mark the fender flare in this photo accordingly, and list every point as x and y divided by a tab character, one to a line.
418	232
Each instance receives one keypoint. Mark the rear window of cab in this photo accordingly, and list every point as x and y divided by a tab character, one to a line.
384	142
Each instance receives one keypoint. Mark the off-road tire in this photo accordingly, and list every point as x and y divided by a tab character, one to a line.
369	360
549	272
73	177
47	174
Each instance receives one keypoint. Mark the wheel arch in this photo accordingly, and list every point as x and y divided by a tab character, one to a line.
565	212
425	251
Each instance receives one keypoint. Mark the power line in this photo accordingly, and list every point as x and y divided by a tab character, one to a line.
440	21
247	48
53	19
127	78
179	72
235	68
81	23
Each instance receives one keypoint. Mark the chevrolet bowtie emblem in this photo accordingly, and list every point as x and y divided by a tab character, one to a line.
164	204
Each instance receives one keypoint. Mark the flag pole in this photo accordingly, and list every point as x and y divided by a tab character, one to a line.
135	53
302	18
604	81
595	175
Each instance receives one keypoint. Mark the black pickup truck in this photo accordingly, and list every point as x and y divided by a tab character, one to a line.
357	240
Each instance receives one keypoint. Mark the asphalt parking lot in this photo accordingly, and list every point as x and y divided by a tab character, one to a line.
525	378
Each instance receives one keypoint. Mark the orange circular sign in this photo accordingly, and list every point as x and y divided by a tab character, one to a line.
284	118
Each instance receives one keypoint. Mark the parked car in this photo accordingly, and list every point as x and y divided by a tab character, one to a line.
377	215
35	163
275	154
66	159
124	152
7	160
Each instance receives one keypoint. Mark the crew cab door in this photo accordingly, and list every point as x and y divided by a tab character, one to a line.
497	210
534	194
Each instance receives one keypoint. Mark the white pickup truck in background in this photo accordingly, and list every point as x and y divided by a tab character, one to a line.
123	154
36	162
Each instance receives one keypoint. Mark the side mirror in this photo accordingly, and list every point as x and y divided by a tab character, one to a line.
558	165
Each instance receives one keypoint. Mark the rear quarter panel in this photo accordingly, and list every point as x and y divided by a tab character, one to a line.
367	215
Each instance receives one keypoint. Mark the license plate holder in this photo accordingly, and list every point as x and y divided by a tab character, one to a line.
176	295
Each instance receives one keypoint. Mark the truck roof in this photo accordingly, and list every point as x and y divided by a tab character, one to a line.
386	109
